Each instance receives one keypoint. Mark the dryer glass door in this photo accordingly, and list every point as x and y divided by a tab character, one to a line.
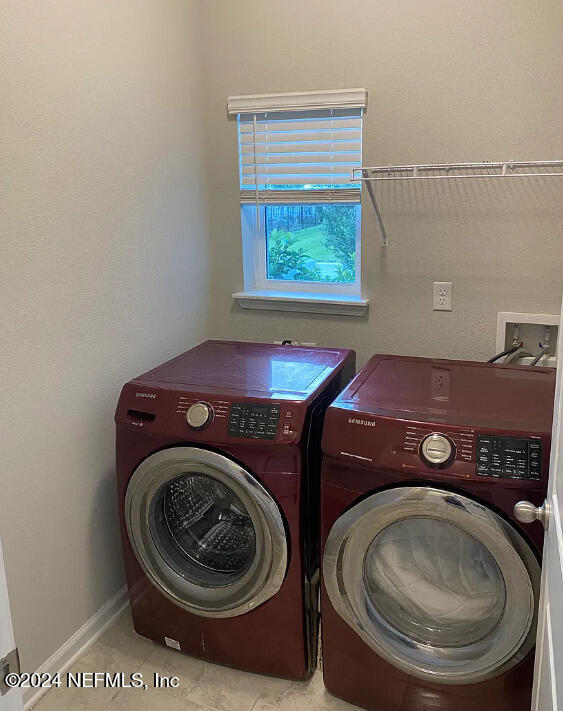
435	583
205	531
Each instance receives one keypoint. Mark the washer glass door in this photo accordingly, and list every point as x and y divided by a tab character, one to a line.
434	582
205	531
202	529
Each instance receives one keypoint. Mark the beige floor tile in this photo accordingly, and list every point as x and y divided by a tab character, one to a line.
227	689
211	685
300	696
119	649
169	662
151	700
69	698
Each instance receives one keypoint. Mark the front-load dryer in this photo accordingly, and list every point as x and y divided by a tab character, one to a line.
430	584
218	467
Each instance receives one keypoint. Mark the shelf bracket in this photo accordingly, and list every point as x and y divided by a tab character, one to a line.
371	191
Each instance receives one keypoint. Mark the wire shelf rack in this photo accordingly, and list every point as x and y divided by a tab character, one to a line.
451	171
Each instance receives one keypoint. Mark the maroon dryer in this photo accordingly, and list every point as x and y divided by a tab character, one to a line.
218	468
430	583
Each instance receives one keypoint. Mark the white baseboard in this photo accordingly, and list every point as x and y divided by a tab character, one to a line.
75	646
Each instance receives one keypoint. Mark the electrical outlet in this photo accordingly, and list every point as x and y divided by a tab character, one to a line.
442	296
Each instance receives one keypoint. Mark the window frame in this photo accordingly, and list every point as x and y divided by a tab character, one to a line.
259	292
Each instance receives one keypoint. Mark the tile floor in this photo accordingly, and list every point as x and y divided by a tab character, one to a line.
203	686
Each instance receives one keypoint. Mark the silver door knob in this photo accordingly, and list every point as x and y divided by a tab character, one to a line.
526	512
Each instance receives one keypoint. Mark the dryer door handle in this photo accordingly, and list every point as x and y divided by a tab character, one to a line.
526	512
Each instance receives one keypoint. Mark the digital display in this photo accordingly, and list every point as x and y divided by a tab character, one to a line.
253	420
261	411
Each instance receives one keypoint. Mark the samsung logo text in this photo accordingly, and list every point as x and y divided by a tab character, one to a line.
151	395
366	423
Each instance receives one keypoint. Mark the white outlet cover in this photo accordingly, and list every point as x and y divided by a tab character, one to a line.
442	296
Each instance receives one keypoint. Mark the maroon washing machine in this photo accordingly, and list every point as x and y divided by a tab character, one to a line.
218	468
430	583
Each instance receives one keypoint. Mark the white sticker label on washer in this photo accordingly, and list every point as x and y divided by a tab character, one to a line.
172	643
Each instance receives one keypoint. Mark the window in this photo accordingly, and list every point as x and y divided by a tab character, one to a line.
300	213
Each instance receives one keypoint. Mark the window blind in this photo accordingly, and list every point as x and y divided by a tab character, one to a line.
300	157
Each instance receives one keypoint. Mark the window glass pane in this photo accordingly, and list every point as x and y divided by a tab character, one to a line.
202	530
434	582
311	242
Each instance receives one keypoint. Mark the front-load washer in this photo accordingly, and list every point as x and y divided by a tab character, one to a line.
218	468
430	584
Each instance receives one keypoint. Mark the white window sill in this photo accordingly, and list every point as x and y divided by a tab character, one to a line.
343	304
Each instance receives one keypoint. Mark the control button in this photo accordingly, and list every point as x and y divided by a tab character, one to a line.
289	413
436	449
199	415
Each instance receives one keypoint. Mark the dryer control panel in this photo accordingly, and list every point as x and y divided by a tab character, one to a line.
510	457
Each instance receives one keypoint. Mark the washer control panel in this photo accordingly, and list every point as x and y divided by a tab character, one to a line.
254	420
509	457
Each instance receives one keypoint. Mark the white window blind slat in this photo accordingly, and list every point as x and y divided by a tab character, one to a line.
301	148
292	169
303	125
351	157
288	197
310	179
267	139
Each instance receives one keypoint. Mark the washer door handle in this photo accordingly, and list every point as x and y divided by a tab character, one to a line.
526	512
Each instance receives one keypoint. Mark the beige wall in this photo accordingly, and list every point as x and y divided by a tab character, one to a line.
448	80
104	273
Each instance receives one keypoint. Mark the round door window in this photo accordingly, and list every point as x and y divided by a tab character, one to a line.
202	529
205	531
434	582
